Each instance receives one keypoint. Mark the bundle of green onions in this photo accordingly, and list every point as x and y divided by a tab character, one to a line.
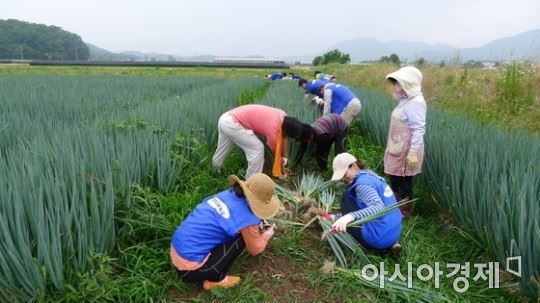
314	188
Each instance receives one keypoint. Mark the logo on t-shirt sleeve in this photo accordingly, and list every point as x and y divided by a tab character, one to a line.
388	192
220	207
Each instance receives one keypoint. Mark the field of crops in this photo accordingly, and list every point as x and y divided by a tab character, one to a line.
508	96
98	169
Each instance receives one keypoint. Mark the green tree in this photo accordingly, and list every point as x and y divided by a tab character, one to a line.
24	40
317	60
333	56
420	61
393	59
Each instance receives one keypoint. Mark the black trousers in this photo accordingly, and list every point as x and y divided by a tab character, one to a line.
218	264
402	186
324	143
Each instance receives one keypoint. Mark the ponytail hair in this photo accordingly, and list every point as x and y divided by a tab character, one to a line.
361	164
238	190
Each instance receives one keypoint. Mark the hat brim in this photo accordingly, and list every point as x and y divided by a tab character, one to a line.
392	76
410	88
263	209
338	174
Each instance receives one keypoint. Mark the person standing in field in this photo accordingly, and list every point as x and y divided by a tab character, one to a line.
336	99
325	131
241	125
205	245
366	194
405	145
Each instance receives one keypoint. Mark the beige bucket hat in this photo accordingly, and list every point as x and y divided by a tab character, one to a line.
410	79
259	190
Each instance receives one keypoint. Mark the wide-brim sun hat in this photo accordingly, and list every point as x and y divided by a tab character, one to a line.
340	165
259	191
410	79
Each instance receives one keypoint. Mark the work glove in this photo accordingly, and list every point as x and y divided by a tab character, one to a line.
341	224
317	100
327	216
412	159
270	231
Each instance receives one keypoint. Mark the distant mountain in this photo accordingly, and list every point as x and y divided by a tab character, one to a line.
101	54
524	46
97	53
25	40
371	49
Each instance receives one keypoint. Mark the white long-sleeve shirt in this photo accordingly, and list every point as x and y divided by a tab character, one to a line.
327	101
414	116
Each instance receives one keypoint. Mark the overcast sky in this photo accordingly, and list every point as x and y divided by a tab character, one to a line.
275	28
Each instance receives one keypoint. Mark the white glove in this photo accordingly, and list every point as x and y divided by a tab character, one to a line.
341	224
270	231
318	100
284	160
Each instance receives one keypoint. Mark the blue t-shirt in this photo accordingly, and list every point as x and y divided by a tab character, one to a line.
313	87
215	221
276	76
384	231
341	96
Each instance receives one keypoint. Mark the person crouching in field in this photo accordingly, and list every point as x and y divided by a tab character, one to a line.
325	131
205	245
337	99
318	75
366	194
308	94
405	146
276	76
241	125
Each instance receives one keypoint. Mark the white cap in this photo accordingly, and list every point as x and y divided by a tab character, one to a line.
341	164
410	79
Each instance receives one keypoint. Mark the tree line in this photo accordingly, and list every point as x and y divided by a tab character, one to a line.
27	41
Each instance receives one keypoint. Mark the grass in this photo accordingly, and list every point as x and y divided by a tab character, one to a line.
229	73
139	270
482	175
289	271
64	181
508	96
